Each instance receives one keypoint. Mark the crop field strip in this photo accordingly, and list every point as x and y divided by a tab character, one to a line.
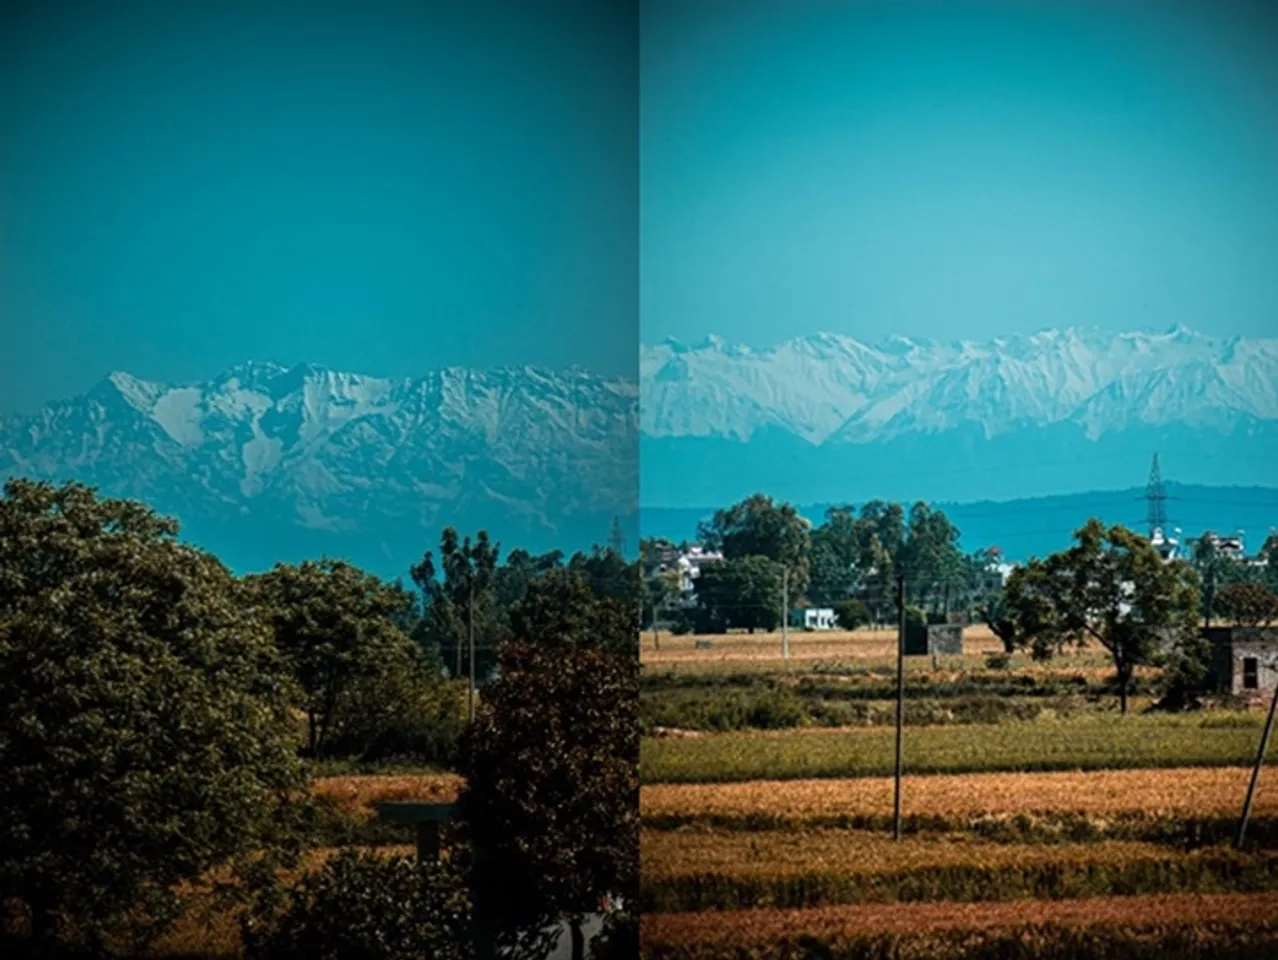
732	870
1237	924
1106	793
1077	743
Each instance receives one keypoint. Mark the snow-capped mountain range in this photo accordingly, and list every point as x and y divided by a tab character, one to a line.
265	462
315	459
828	418
834	389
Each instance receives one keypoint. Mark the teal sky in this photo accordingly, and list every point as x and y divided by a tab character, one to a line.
957	169
378	187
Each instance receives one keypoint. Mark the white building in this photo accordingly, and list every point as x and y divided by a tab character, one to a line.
690	564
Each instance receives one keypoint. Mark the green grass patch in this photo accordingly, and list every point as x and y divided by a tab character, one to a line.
1085	742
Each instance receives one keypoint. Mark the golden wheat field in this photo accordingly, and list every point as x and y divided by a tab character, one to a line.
798	853
753	927
360	794
1200	791
767	647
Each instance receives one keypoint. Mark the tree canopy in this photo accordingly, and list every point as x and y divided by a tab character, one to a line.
145	730
551	801
1112	587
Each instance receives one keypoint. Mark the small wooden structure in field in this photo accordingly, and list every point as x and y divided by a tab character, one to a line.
427	816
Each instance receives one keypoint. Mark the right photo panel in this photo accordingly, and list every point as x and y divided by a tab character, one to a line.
958	479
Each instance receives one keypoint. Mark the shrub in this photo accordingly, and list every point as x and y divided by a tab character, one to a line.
366	906
851	614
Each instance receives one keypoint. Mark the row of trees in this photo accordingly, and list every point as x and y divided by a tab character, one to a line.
772	554
159	718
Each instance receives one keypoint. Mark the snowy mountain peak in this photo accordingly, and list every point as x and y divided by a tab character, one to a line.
831	388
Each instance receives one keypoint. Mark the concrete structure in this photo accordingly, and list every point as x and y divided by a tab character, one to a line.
935	639
1244	659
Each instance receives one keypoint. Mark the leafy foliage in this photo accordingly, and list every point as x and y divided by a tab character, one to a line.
758	527
744	592
365	906
1247	604
462	605
338	629
851	614
1111	587
563	610
551	802
144	716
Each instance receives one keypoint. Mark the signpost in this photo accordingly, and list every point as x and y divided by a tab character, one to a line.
427	816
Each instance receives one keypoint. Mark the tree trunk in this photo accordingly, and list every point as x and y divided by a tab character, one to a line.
578	939
1124	679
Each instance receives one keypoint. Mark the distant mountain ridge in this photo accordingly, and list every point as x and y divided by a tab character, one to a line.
838	410
271	462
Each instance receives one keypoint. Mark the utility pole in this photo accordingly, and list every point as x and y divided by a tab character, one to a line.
900	701
785	613
1255	773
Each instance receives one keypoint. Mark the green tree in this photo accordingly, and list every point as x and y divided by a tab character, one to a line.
337	628
367	906
550	808
461	608
758	527
745	592
1247	604
836	547
145	728
563	610
851	614
1113	588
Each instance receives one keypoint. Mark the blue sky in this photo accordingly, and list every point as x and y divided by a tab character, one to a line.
379	187
957	169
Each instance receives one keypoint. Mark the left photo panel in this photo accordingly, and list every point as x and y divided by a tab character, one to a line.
319	546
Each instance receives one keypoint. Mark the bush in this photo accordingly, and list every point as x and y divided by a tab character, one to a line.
366	906
851	614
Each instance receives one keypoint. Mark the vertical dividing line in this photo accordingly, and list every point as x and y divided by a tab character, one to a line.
900	703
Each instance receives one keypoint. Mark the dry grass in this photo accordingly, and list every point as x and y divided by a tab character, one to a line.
804	646
754	927
361	794
762	652
208	929
1195	791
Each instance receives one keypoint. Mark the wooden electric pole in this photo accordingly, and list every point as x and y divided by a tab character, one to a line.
1255	773
785	613
900	702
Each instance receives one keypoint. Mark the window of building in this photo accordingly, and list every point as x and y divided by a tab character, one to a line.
1251	677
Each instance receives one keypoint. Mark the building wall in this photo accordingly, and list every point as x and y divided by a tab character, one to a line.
1233	646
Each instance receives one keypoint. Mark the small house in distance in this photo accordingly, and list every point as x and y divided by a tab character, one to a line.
1244	659
813	618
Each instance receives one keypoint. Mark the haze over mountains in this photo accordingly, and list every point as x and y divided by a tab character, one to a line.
265	463
827	418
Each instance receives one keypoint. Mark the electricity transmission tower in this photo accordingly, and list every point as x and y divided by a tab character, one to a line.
617	539
1156	499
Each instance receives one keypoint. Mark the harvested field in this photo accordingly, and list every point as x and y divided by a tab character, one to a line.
1078	743
1232	917
1152	793
765	648
360	794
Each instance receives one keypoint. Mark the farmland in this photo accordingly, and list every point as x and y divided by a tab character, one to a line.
1037	820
